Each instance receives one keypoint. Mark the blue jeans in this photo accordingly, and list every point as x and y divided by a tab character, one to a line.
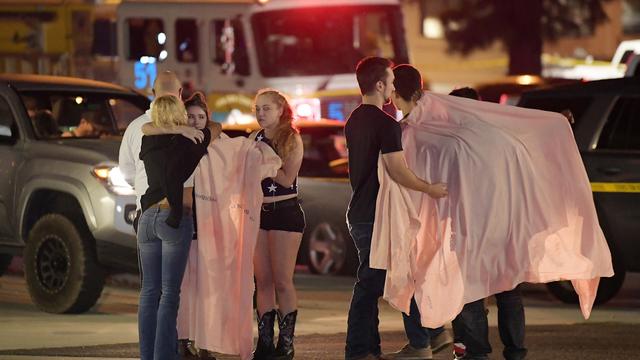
163	253
472	327
363	337
419	337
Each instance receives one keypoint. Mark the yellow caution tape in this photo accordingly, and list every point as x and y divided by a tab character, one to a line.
616	187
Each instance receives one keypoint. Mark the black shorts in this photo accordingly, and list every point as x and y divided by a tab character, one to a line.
285	215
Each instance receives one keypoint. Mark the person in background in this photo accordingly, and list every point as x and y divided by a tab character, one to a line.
471	327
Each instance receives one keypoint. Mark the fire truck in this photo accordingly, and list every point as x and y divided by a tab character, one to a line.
227	49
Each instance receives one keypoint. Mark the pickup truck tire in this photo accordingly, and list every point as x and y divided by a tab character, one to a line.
607	289
330	251
5	261
61	267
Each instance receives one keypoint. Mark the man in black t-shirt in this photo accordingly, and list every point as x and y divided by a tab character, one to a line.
369	132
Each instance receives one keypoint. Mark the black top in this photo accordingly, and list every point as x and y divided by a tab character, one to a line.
369	131
169	160
270	187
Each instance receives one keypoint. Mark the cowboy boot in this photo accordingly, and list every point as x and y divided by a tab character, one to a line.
287	325
264	347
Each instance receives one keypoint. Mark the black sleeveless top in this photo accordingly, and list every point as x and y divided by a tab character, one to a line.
270	187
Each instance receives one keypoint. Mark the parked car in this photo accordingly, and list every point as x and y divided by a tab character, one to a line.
324	187
64	205
507	90
607	131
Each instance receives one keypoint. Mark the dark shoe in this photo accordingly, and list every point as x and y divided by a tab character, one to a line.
186	351
264	347
441	341
205	355
287	326
408	352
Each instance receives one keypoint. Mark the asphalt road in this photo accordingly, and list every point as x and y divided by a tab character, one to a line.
554	330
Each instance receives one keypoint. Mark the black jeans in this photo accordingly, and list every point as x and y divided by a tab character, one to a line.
472	328
363	337
419	337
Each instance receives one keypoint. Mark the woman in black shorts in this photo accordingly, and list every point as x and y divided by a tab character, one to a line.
281	226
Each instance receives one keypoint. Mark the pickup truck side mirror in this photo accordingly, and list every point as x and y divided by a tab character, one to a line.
6	134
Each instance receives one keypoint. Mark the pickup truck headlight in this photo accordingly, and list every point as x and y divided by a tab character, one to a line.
113	179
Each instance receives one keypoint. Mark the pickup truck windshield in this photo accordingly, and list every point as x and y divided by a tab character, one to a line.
326	40
57	115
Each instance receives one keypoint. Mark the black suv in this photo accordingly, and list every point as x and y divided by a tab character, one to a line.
607	131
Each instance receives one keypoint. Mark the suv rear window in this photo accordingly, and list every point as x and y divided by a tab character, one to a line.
577	105
622	130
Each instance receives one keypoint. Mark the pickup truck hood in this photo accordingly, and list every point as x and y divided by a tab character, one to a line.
89	151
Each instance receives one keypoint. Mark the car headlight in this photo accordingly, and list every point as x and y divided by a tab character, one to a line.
113	179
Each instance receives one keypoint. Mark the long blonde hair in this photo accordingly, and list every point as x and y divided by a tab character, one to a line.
284	139
168	111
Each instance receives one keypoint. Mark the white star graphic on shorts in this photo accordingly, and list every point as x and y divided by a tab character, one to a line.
272	187
259	138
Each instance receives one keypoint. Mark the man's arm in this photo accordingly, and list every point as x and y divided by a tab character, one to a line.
189	132
126	161
396	166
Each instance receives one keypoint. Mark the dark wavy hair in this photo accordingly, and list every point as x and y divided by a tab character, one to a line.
198	99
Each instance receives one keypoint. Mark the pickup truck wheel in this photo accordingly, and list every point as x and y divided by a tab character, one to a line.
327	250
607	289
330	251
60	266
5	261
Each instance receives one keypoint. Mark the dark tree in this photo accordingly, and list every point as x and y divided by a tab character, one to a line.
521	25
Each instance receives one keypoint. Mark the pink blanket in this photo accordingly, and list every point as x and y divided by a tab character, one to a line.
520	209
216	309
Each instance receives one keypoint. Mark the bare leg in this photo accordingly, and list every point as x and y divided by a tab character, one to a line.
264	278
283	247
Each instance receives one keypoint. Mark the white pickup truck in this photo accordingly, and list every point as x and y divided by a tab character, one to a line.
617	68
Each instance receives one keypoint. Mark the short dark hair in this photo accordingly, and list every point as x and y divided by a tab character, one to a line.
466	92
407	81
369	71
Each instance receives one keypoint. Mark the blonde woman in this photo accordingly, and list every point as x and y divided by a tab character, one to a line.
281	226
166	226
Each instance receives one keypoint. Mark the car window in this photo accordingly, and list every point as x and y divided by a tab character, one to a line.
146	37
324	152
8	126
622	129
125	111
187	40
577	105
78	114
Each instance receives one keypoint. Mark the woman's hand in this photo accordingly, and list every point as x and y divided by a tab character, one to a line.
191	133
438	191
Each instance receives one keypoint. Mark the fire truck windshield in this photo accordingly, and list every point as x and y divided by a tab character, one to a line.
326	40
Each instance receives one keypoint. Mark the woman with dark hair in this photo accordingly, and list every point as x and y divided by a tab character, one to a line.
470	326
281	226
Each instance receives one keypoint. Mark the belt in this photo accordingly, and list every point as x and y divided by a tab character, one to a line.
163	206
280	204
